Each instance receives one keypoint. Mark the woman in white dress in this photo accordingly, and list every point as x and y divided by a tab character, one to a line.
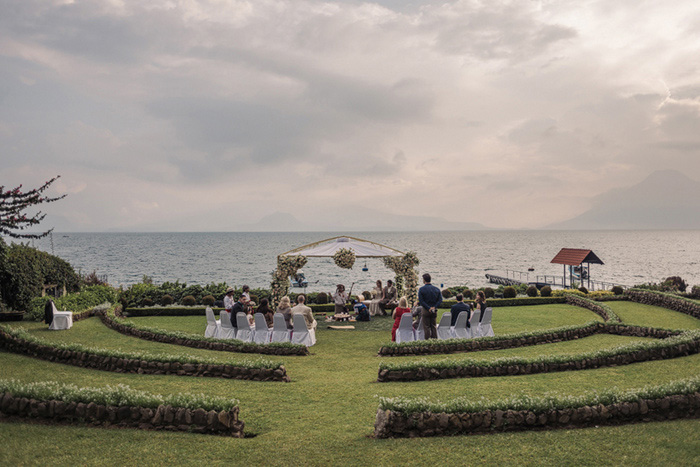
377	296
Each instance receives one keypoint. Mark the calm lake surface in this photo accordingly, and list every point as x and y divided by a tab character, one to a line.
452	258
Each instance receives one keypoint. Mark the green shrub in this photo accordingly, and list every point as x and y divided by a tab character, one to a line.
166	300
546	291
617	290
675	283
468	294
254	298
489	292
188	300
446	293
509	292
146	302
86	299
208	300
583	289
322	298
531	291
695	291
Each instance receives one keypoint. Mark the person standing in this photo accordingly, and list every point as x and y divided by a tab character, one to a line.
339	299
305	311
429	298
389	300
459	307
228	300
377	296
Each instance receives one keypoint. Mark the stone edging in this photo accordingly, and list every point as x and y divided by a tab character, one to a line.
509	369
126	365
217	345
665	301
165	417
391	424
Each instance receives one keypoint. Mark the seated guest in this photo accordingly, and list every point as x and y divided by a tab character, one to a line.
480	303
377	296
305	311
459	307
361	311
229	300
389	300
266	311
286	310
399	311
249	314
339	299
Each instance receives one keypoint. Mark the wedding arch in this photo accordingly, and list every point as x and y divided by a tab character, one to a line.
344	250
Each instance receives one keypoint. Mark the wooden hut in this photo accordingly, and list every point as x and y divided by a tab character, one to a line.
575	258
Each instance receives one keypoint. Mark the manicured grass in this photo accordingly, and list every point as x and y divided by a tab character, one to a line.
653	316
326	414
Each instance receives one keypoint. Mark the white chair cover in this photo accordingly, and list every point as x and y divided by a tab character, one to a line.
280	333
226	331
444	330
301	334
460	329
420	332
61	319
474	324
404	333
262	332
244	332
485	326
213	326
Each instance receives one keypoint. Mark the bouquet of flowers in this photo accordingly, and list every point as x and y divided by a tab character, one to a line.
344	258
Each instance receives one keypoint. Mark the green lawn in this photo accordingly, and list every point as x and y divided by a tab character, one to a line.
653	316
326	414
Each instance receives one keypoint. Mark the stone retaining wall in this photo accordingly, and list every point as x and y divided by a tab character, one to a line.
390	424
665	301
477	371
165	417
218	345
126	365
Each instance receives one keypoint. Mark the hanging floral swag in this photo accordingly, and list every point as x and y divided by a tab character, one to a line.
287	266
406	275
344	258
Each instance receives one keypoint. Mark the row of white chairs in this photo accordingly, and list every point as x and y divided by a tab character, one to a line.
406	333
259	333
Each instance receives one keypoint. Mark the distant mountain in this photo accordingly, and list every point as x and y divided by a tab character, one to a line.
276	222
666	199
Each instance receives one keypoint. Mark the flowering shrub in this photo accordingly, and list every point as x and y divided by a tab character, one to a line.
286	266
344	258
406	275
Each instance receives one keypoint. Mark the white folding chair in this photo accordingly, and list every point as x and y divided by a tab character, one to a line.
301	334
420	332
485	328
460	329
404	333
213	326
244	332
474	329
280	333
226	331
262	332
444	330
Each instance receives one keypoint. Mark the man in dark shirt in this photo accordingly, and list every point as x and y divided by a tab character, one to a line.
429	298
238	306
459	307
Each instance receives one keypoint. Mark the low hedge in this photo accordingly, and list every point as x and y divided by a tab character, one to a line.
20	341
664	300
120	406
681	345
401	417
601	309
199	310
88	298
112	318
518	301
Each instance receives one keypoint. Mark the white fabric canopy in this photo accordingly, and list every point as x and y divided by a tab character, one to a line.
361	248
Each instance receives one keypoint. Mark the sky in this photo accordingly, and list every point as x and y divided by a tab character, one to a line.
208	115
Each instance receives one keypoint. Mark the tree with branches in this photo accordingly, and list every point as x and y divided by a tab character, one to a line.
14	203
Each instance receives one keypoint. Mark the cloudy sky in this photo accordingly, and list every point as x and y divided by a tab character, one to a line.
204	115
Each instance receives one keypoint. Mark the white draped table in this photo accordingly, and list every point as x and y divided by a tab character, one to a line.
61	320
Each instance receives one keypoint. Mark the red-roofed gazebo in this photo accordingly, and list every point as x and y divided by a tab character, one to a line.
575	258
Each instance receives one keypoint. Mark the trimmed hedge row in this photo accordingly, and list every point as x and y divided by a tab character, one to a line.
601	309
113	320
199	310
682	345
498	302
21	342
665	300
120	406
401	417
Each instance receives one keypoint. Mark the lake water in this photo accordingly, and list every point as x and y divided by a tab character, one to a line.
452	258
